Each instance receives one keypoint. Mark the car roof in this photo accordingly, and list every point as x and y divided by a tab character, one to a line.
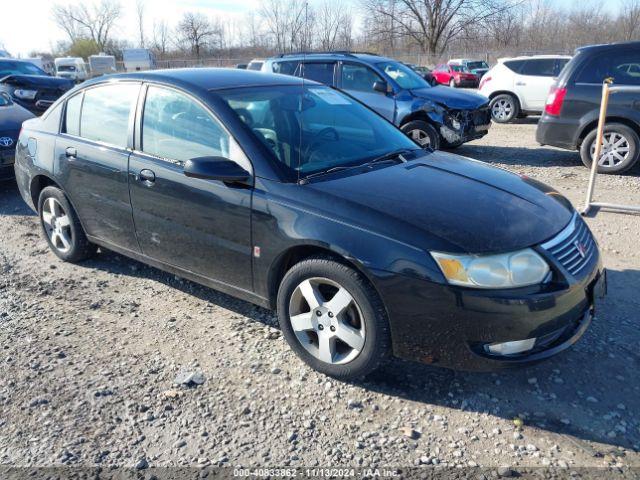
531	57
207	78
366	57
607	46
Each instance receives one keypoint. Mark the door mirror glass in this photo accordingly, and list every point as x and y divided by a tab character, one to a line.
215	168
380	86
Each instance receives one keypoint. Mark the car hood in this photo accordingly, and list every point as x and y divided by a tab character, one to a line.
451	97
448	203
12	116
38	81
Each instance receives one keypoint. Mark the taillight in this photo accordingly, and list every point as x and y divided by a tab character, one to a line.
555	101
484	80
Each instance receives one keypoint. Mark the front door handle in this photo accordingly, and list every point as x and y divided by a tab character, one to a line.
146	176
71	153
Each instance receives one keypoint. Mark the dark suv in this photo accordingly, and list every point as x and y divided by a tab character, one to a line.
571	113
432	116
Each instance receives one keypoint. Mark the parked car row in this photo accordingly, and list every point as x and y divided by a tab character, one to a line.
433	116
295	196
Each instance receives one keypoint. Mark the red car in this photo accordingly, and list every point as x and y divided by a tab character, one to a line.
454	76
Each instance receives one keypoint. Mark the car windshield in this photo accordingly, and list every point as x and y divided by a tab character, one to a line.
404	76
19	68
314	129
475	65
66	68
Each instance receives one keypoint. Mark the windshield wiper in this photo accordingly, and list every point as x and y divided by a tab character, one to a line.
382	158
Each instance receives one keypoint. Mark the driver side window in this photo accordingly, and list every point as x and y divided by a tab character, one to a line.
175	127
358	78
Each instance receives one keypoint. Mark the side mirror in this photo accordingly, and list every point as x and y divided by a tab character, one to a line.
380	86
215	168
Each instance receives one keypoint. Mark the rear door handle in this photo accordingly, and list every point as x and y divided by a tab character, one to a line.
521	84
146	176
71	153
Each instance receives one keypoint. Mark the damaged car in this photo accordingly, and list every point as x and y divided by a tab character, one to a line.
11	118
29	86
434	117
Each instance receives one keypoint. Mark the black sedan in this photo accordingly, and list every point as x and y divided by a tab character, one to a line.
30	86
294	196
11	118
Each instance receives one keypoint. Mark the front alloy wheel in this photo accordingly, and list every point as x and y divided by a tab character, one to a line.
327	321
504	108
333	318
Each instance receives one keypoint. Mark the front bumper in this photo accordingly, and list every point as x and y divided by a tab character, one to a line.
7	159
465	125
450	326
557	132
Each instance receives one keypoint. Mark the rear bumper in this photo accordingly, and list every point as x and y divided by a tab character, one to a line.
557	132
451	327
472	83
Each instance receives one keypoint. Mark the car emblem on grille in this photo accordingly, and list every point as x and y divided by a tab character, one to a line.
6	141
582	249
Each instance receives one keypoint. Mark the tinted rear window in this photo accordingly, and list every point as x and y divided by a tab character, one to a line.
623	67
541	67
514	65
72	115
286	68
320	72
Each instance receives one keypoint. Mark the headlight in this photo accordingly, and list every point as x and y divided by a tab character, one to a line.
25	94
507	270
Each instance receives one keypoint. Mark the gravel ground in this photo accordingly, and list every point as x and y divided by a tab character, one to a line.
90	353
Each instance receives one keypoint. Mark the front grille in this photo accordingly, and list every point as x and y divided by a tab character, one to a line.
574	247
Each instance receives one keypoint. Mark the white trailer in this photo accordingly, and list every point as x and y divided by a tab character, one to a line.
102	64
72	68
136	59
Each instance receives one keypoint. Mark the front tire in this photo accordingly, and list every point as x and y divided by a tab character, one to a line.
423	133
620	148
333	319
504	108
61	227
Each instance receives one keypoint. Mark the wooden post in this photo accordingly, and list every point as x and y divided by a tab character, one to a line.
599	137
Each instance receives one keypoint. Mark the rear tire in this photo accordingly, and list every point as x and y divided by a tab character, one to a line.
61	227
620	151
423	133
504	108
318	335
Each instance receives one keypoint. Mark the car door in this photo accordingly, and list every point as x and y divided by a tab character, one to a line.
533	82
358	79
202	226
92	154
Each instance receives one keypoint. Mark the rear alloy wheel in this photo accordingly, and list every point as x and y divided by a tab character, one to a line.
504	108
619	149
423	133
333	319
61	226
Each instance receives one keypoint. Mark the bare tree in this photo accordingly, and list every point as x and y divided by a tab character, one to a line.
629	19
160	41
140	17
431	24
288	22
95	22
195	30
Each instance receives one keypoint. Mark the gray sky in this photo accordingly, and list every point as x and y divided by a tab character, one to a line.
26	25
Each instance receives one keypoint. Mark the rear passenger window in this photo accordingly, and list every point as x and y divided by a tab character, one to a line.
623	67
541	67
72	115
176	127
514	65
320	72
106	111
286	68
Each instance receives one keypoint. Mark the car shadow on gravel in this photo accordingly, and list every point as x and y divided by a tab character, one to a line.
521	156
590	392
11	202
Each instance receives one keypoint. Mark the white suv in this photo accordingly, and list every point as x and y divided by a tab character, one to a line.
519	86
